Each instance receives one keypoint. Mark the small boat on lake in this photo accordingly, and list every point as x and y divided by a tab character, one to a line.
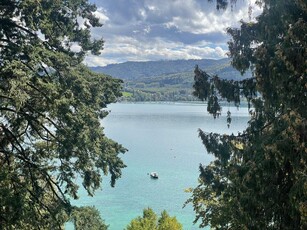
154	175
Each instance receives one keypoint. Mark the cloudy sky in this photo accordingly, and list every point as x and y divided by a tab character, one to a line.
143	30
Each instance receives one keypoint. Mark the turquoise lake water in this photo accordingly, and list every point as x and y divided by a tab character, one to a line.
161	137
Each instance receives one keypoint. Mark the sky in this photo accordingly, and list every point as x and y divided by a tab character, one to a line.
150	30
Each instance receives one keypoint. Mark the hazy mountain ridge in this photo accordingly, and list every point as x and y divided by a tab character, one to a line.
169	80
137	70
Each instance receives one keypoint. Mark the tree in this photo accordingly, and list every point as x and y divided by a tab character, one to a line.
259	178
150	221
50	109
166	222
87	218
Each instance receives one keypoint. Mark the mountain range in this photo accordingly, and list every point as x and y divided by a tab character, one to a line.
136	70
166	80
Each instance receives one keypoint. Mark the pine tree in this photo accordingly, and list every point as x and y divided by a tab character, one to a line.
50	111
150	221
258	179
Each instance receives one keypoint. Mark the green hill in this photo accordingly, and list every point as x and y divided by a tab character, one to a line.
165	80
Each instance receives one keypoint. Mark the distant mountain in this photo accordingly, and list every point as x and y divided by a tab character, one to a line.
165	80
137	70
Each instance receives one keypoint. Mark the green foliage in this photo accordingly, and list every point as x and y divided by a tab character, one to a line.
87	218
129	71
258	179
166	222
127	94
150	221
50	109
167	80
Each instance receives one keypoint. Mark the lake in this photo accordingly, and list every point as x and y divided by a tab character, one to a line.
161	137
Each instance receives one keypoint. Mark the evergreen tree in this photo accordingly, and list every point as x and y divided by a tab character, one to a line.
87	218
150	221
258	179
50	111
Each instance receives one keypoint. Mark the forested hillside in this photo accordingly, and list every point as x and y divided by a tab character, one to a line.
165	80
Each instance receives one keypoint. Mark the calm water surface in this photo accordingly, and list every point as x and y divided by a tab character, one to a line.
161	137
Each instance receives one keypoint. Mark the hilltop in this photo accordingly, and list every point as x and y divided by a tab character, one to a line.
168	80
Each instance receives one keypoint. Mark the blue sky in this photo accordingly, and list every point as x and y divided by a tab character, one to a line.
143	30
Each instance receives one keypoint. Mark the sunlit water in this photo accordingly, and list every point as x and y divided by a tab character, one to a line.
161	137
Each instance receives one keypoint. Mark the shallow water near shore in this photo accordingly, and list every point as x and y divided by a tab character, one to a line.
161	137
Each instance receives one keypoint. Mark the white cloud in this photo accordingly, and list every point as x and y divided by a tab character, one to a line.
100	14
75	47
98	61
204	22
153	30
157	49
